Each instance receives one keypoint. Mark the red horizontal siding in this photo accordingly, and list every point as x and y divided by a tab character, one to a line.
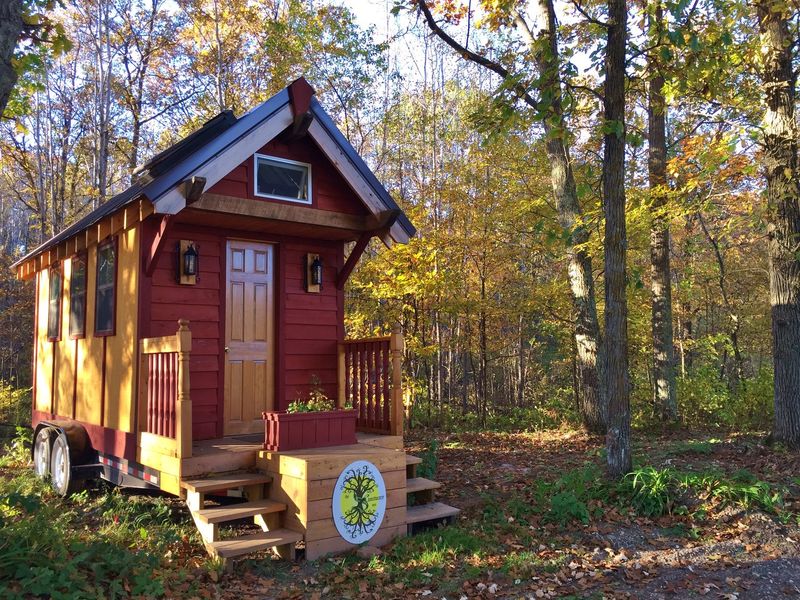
200	304
308	326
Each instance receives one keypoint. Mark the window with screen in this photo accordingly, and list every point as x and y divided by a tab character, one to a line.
54	303
105	296
77	297
283	179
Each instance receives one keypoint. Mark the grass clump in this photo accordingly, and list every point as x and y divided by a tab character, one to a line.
430	552
526	564
102	544
654	492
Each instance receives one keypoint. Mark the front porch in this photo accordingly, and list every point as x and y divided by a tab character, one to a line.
288	495
369	376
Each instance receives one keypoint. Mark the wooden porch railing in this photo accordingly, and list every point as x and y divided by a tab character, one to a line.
370	377
165	407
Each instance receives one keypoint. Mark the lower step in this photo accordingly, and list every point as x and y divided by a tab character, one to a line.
225	482
254	542
435	511
420	484
234	512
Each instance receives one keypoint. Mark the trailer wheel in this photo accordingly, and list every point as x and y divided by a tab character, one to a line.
41	454
61	469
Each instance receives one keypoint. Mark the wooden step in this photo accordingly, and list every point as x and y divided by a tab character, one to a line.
434	511
413	460
420	484
254	542
233	512
225	482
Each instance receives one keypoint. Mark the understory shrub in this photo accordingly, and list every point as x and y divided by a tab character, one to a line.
705	399
430	461
15	410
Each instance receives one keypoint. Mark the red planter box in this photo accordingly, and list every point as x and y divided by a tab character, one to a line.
298	431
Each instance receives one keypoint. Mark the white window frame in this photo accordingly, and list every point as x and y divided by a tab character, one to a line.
256	158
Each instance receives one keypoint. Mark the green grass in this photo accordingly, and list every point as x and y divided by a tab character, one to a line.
526	564
101	544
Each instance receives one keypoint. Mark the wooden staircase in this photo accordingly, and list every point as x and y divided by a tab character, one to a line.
265	512
423	511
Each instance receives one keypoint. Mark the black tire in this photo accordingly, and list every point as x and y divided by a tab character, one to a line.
41	454
61	469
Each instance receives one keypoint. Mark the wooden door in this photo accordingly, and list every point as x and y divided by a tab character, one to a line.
249	336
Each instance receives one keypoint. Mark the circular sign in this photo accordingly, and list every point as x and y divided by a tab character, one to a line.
359	501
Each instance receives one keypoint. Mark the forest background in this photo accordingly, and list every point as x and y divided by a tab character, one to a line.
484	293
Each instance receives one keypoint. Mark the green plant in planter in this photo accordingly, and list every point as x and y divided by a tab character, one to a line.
316	401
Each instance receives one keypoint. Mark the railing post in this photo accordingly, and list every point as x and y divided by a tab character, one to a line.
141	401
183	408
396	349
340	397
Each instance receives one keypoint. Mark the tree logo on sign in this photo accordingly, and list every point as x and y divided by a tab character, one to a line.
359	502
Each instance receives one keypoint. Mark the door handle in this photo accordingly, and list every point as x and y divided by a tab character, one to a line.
227	349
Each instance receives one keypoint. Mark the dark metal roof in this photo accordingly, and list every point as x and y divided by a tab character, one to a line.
178	162
327	123
182	167
162	161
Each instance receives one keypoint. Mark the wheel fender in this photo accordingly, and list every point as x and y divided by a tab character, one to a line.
78	442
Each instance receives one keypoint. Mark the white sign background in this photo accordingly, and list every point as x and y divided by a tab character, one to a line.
361	531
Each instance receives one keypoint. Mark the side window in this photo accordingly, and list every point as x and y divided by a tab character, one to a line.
77	297
54	303
105	294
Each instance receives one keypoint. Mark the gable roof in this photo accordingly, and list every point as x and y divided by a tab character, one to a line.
225	141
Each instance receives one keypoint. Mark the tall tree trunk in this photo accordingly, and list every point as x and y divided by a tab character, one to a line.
664	400
783	198
10	29
589	356
520	374
592	401
618	440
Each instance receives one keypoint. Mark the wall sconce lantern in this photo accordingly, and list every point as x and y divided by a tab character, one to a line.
316	271
313	273
188	263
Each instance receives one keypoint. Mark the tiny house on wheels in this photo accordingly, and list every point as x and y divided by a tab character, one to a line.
175	324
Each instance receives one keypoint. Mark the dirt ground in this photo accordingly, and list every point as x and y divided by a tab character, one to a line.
716	549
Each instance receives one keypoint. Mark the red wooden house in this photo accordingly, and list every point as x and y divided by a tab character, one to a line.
209	295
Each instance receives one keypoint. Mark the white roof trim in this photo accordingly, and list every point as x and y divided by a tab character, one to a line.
173	201
346	169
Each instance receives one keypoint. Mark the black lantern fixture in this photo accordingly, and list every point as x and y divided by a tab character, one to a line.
316	271
188	263
190	257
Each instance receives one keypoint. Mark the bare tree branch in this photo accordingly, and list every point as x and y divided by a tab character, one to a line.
479	59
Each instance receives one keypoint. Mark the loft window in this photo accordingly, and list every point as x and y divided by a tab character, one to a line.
54	303
105	294
283	179
77	297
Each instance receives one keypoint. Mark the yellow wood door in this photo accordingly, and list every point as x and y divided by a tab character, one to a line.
249	336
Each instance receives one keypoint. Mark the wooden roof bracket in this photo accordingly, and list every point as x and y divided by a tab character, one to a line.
387	219
193	189
158	244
